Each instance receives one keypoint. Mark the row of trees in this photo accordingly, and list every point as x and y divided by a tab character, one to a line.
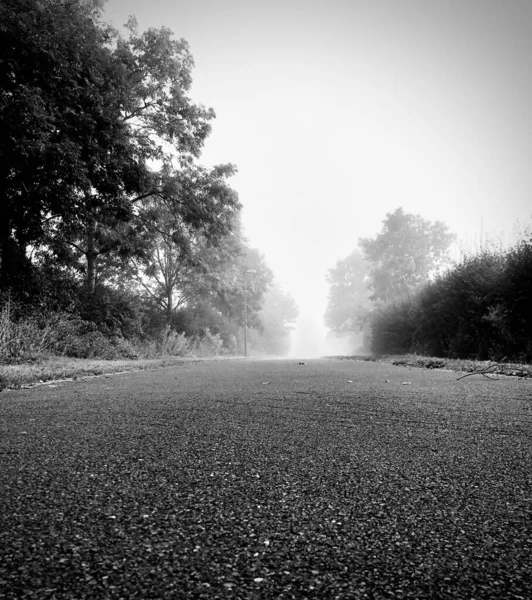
401	289
105	211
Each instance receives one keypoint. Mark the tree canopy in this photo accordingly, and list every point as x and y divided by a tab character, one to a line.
92	123
61	137
393	265
348	298
404	254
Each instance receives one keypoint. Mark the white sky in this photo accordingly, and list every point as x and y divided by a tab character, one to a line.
337	112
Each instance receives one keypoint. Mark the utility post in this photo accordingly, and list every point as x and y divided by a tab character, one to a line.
246	310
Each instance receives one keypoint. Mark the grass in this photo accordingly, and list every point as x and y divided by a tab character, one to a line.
459	365
47	370
46	347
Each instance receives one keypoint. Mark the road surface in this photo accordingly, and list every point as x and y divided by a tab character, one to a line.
268	479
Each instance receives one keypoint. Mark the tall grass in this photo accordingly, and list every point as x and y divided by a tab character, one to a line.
172	343
30	338
46	334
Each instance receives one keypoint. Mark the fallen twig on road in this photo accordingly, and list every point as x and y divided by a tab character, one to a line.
482	372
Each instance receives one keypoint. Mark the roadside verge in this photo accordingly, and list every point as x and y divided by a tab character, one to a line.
16	376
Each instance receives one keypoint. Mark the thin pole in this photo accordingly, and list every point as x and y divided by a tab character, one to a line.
245	324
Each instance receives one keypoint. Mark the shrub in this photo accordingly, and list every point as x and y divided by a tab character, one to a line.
171	343
513	317
200	318
114	312
392	328
480	309
207	344
28	338
44	333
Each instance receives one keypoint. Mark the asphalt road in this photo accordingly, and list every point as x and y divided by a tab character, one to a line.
268	479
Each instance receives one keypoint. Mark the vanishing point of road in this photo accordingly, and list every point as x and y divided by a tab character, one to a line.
267	479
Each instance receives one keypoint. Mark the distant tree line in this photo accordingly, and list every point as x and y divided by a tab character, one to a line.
402	290
106	216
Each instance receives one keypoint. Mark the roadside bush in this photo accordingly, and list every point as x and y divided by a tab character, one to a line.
480	309
29	338
452	313
114	312
19	340
45	333
202	317
392	328
171	343
208	344
513	315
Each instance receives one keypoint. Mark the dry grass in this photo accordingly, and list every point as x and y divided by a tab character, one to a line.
63	368
458	365
48	347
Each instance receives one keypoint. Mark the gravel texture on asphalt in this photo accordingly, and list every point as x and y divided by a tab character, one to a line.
268	479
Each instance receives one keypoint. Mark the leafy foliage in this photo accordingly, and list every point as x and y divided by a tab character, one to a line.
56	127
405	253
481	308
163	128
183	262
252	279
368	286
348	301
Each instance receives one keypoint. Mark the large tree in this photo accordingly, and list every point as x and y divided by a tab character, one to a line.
61	139
194	240
348	300
244	293
91	124
404	254
166	131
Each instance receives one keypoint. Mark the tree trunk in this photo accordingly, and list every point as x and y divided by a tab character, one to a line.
91	254
169	306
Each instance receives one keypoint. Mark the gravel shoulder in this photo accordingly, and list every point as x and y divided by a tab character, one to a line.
268	479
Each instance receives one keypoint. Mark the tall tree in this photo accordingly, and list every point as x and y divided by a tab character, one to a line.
91	125
245	294
60	135
404	254
157	74
166	130
348	300
194	244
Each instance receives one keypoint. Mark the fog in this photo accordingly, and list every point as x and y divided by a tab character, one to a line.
338	112
311	339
